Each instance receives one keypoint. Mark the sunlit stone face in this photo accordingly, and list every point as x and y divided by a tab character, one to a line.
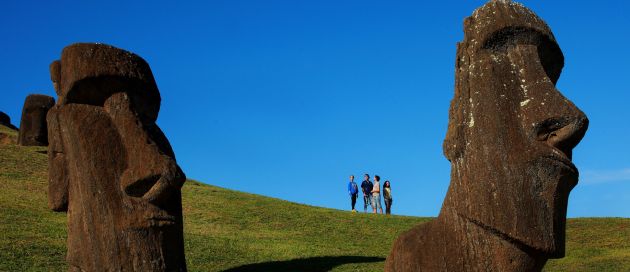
512	132
122	183
509	140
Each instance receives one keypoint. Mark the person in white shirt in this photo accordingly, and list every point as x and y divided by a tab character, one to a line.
376	195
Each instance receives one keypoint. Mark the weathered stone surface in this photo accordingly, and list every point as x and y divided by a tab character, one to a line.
57	169
111	167
5	120
33	131
90	73
510	139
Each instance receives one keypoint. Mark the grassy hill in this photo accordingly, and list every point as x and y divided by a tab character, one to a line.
235	231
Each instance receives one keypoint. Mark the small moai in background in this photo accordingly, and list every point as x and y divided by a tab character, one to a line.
33	131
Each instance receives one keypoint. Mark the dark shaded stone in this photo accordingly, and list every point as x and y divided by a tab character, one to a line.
5	120
90	73
57	169
33	131
111	167
509	140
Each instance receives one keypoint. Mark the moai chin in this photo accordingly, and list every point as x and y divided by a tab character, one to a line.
509	141
110	166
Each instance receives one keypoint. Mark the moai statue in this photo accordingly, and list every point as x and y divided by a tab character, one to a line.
5	120
5	138
33	131
509	141
111	167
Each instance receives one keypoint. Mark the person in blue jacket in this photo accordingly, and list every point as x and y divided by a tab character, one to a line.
353	190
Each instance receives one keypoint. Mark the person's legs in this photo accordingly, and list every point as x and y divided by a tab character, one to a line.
374	203
366	201
379	203
388	206
353	200
391	201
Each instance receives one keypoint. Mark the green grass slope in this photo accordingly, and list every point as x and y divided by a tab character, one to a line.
234	231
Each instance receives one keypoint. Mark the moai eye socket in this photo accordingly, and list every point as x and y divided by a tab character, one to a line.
549	52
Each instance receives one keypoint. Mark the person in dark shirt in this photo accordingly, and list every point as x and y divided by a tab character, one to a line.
366	187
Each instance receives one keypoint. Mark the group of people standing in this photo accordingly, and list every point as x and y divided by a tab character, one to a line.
371	194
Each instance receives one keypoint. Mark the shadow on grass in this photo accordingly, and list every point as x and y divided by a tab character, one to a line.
313	264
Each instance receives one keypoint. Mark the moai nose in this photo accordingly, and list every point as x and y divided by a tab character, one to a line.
170	181
158	183
563	133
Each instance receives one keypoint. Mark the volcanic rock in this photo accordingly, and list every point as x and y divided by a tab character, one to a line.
7	137
33	131
509	140
5	120
90	73
111	167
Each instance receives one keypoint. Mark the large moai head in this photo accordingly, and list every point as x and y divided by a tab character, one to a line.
511	132
111	167
33	131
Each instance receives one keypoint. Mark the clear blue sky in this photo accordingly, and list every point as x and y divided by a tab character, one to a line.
287	98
